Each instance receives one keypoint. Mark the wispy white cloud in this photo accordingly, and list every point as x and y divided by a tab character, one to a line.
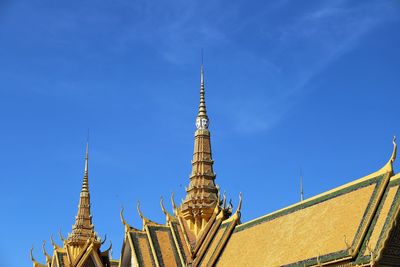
302	50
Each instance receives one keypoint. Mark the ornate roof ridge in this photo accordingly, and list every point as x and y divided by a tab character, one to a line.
386	169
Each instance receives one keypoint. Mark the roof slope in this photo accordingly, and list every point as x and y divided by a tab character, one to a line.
325	228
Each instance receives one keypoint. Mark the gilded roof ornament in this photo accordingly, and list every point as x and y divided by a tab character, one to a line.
139	211
174	207
394	153
121	215
104	240
145	221
61	236
389	165
109	248
239	207
162	206
55	246
31	255
48	257
169	216
35	263
224	200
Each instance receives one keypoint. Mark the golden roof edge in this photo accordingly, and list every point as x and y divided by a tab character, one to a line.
387	168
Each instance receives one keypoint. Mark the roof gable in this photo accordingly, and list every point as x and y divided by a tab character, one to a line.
325	225
382	240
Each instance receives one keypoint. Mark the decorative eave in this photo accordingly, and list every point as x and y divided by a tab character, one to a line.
145	221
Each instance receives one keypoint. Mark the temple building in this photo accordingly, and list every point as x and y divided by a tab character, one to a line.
82	246
356	224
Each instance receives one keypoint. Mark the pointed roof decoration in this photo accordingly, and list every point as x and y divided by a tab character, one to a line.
202	106
389	165
83	229
47	256
35	263
202	192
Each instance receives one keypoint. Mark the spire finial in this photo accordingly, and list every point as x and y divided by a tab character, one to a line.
202	118
85	184
202	69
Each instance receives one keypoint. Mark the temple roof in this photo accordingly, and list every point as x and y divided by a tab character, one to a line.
344	224
82	247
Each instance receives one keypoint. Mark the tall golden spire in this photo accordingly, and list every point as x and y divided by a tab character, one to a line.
83	229
202	193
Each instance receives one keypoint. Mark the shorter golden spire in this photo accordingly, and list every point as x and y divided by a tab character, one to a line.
83	229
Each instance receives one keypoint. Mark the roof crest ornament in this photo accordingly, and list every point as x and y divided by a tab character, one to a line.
61	236
224	200
394	153
109	248
173	203
389	165
144	219
121	215
48	257
55	246
169	216
236	216
104	240
31	255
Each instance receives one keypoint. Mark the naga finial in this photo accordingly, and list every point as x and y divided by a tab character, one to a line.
109	248
224	200
144	219
44	248
121	215
104	240
393	157
48	257
169	216
55	246
173	202
61	236
162	206
31	254
139	211
240	202
388	168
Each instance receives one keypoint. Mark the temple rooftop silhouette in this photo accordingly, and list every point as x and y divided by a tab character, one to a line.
356	224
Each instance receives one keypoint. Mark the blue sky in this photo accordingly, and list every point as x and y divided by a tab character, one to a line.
289	86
